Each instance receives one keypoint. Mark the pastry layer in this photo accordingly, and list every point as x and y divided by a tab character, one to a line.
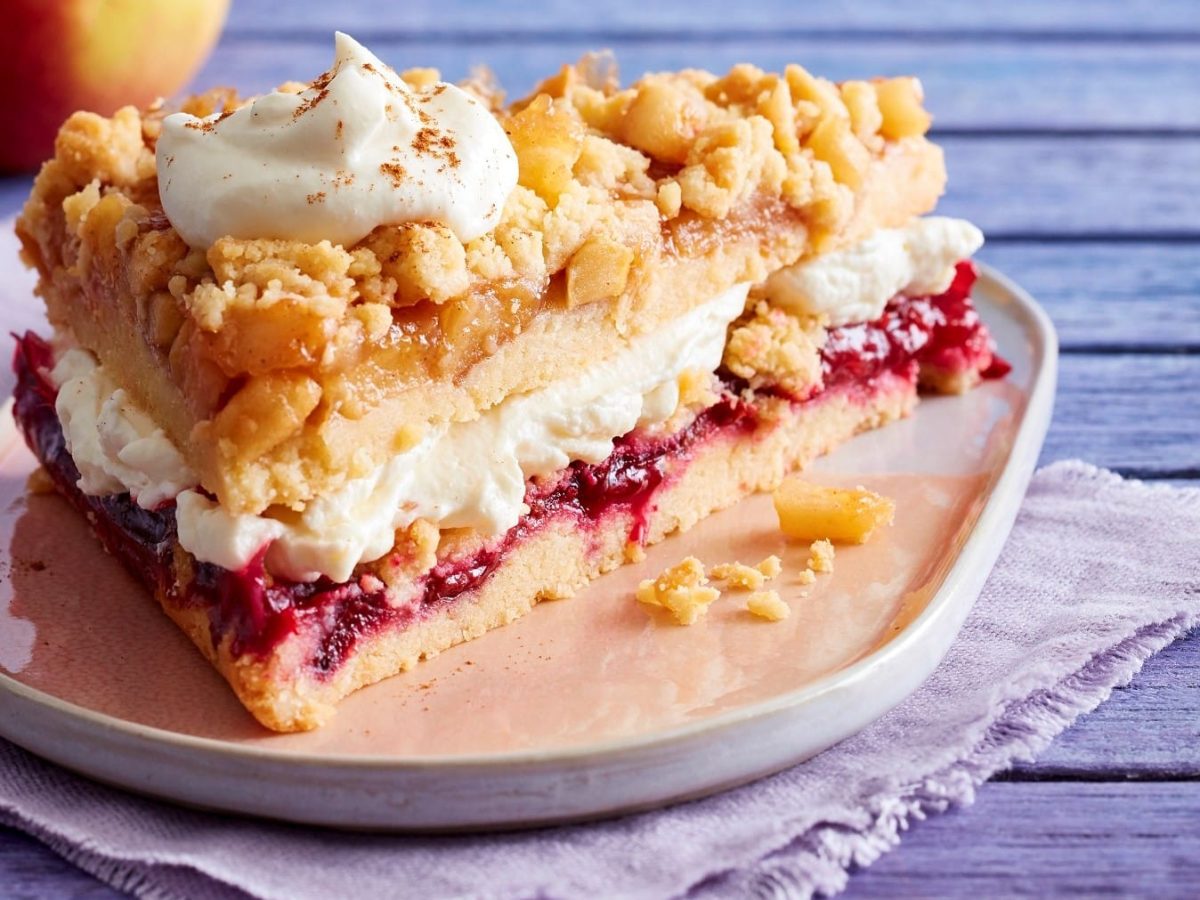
282	369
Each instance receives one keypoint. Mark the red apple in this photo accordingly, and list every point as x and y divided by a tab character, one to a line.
57	56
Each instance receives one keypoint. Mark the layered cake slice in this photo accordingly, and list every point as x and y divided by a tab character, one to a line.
357	370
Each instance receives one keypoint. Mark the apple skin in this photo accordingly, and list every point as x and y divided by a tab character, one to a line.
59	56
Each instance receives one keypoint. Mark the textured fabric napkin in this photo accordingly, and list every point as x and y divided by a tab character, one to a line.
1098	575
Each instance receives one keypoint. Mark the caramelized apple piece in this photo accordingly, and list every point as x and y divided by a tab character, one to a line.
663	121
813	512
598	270
900	102
548	138
834	142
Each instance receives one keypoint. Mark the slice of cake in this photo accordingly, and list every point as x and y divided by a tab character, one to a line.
360	369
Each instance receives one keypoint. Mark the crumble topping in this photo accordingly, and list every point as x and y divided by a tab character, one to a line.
821	556
768	605
771	566
732	136
681	590
616	185
739	575
772	347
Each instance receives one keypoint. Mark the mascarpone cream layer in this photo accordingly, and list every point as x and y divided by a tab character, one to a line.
855	284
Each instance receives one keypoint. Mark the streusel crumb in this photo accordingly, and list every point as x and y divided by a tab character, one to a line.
771	566
681	590
750	578
806	577
821	556
773	347
738	575
768	605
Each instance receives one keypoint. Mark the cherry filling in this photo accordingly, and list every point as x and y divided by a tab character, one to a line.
257	611
943	332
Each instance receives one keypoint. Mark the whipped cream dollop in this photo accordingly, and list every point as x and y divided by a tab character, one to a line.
466	474
855	284
357	149
115	445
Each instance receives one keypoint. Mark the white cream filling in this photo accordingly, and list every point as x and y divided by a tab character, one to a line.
115	445
466	474
855	284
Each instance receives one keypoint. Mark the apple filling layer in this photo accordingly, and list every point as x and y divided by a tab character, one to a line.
255	609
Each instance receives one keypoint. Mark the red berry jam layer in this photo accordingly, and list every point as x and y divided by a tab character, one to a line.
256	611
943	332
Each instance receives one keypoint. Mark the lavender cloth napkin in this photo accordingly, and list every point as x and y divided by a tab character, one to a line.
1098	575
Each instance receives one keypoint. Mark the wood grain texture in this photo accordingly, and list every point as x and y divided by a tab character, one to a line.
1051	187
31	871
1127	412
971	83
1043	840
713	17
1148	729
1105	296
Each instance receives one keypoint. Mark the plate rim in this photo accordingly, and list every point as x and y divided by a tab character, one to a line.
1004	495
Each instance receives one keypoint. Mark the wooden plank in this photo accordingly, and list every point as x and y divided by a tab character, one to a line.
1035	187
1103	295
13	191
1048	840
971	83
556	16
1130	412
1147	729
29	869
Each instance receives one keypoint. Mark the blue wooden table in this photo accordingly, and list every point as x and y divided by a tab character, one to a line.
1072	132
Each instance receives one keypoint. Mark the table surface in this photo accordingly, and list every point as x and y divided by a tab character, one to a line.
1072	135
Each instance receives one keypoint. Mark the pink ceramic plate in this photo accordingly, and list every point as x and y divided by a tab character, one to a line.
587	706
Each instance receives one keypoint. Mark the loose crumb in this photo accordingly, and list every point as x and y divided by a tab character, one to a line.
737	575
680	590
750	578
807	576
821	556
771	566
634	552
768	605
